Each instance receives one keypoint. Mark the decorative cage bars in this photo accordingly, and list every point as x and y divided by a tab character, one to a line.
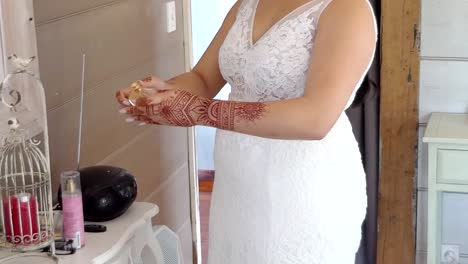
26	216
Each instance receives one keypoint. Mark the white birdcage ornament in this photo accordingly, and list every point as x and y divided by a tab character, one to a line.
26	216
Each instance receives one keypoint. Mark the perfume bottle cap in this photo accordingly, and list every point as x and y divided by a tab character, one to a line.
137	92
71	182
71	187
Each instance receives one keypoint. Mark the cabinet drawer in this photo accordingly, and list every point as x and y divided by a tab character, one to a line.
452	166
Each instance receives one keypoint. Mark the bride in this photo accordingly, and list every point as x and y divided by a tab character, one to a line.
290	186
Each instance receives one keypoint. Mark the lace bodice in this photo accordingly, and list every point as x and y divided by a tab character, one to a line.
275	67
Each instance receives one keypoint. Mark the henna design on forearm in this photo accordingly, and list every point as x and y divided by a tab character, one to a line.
185	109
173	110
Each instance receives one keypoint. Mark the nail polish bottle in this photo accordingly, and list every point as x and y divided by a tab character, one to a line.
72	203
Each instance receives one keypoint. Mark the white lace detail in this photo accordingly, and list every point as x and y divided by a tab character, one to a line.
282	201
275	67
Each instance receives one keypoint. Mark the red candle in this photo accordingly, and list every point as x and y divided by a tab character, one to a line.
20	212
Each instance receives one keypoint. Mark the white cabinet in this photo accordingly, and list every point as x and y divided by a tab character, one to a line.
447	139
123	242
129	239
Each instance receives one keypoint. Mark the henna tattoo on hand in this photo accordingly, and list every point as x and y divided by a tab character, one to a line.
185	109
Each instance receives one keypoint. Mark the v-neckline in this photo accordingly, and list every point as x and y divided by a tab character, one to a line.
252	44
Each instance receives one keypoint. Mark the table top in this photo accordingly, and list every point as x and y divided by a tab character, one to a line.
108	243
447	128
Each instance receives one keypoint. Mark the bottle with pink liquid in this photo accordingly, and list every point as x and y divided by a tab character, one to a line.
72	203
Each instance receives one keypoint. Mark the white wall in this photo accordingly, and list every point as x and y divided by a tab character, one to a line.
207	17
444	88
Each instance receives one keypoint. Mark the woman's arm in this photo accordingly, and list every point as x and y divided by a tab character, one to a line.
207	72
204	79
344	46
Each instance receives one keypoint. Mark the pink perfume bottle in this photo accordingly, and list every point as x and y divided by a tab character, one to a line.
72	203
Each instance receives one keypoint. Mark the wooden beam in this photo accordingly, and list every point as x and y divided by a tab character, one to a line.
399	124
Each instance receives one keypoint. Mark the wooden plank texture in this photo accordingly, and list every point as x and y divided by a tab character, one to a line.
399	123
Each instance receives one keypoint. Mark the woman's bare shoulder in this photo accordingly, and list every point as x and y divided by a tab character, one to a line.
355	8
350	13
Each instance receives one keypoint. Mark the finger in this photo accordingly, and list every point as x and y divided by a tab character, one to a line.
147	79
154	83
160	84
128	110
155	99
152	109
154	123
150	100
140	118
124	92
142	101
123	110
122	96
144	120
135	111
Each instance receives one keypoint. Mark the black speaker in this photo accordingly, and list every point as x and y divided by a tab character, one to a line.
107	192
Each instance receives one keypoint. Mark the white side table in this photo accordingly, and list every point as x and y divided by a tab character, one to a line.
129	239
447	138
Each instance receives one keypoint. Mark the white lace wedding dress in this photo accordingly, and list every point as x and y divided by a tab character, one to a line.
282	201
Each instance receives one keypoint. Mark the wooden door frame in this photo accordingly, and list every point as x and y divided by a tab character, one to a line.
192	157
400	39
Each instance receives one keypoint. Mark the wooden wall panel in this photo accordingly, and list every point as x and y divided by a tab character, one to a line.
399	123
46	10
113	40
104	129
153	161
173	202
